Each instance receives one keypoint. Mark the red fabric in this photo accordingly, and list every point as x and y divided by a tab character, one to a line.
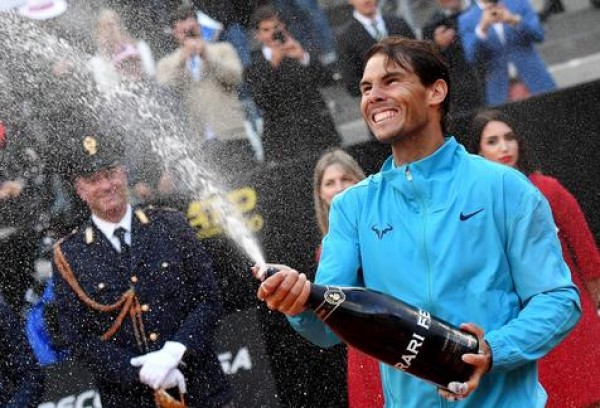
571	372
364	381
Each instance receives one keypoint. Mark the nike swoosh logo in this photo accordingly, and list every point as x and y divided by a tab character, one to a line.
464	217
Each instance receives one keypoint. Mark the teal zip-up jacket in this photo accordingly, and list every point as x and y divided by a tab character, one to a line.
469	241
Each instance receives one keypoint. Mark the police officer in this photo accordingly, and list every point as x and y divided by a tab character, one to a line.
136	294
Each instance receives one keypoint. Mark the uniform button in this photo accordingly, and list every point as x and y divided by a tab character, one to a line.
134	279
164	264
101	286
145	308
153	336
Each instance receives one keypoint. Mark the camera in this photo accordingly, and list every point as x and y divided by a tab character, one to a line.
279	36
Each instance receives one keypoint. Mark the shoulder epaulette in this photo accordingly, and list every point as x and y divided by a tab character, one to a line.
66	237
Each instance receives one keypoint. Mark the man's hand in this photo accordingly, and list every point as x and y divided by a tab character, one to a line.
277	54
193	46
174	379
491	15
286	291
293	49
444	36
481	361
157	364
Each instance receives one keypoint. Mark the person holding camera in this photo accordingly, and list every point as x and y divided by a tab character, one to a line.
284	81
442	29
206	76
499	40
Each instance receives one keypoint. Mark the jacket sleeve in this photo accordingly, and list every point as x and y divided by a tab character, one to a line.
224	64
550	300
198	327
103	358
170	69
339	265
529	29
477	50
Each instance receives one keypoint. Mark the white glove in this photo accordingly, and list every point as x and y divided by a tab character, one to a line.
157	364
174	379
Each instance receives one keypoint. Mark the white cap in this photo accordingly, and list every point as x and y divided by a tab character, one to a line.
43	9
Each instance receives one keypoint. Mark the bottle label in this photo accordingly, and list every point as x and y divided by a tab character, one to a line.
416	341
332	299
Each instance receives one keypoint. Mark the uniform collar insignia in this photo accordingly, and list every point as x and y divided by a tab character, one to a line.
141	215
89	235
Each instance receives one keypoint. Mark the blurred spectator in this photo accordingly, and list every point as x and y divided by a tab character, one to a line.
366	27
21	380
206	75
402	8
25	201
568	385
118	55
235	16
309	25
498	39
284	80
320	40
126	66
335	171
442	28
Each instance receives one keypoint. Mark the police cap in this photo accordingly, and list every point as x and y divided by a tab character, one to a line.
92	151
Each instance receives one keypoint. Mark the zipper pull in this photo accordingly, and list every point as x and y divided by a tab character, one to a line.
408	174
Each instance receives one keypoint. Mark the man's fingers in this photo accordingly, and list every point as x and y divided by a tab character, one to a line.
282	290
291	300
269	286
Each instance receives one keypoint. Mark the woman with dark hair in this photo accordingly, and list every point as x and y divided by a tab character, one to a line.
335	171
569	384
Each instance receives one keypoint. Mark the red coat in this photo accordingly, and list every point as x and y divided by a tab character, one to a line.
364	381
571	372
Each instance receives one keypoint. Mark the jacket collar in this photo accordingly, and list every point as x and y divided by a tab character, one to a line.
430	180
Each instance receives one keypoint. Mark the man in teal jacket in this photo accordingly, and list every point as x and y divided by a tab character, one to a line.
466	239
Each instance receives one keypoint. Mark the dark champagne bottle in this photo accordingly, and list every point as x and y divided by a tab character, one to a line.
395	332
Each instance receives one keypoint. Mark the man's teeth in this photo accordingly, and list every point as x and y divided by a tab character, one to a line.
378	117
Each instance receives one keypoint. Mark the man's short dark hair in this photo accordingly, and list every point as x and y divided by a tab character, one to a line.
420	57
263	13
183	12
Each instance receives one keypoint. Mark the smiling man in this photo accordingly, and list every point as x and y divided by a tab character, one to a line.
135	290
468	240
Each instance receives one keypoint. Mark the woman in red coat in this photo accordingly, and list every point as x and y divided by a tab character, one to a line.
335	171
571	372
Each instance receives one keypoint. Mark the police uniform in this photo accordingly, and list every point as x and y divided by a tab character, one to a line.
109	313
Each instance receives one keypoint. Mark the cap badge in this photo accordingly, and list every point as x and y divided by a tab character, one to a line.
90	145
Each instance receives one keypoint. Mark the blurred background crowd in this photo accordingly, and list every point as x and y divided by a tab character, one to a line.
278	78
